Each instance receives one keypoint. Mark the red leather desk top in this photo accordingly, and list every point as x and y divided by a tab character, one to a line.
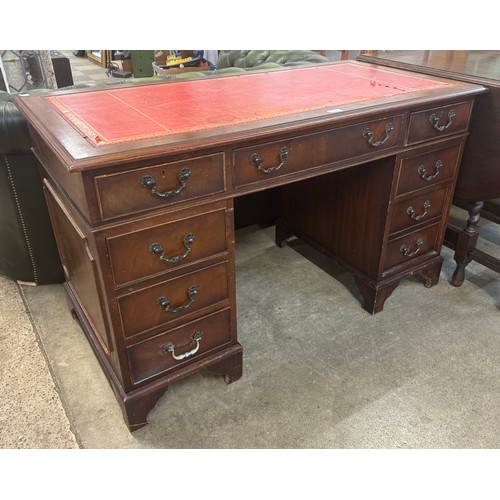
116	115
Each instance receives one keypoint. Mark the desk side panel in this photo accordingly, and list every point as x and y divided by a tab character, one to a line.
81	267
54	168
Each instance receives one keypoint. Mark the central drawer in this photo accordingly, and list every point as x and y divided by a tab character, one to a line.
173	300
267	161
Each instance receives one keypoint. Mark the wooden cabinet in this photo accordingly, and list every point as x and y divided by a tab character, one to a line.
145	227
155	294
478	185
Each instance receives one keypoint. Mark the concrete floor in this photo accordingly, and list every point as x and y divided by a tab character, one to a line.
319	372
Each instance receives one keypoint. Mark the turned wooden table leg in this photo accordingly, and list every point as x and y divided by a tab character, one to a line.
466	243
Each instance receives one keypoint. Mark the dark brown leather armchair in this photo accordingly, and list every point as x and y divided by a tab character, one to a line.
27	247
267	59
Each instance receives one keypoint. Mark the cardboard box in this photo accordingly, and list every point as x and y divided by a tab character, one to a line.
160	56
127	65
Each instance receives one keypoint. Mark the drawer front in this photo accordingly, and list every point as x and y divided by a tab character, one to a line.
159	185
268	161
438	122
407	248
425	170
191	342
418	209
168	246
172	300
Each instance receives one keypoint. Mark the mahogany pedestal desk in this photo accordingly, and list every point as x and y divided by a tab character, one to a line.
478	184
140	183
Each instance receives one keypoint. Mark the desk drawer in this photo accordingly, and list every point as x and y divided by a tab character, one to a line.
270	160
174	299
418	209
438	122
425	170
161	248
159	185
194	340
406	248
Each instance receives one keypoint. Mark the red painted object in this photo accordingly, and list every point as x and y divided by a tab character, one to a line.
118	115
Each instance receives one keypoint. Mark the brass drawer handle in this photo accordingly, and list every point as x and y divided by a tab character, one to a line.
413	214
406	250
149	182
256	161
169	347
158	249
368	135
423	172
434	119
165	303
